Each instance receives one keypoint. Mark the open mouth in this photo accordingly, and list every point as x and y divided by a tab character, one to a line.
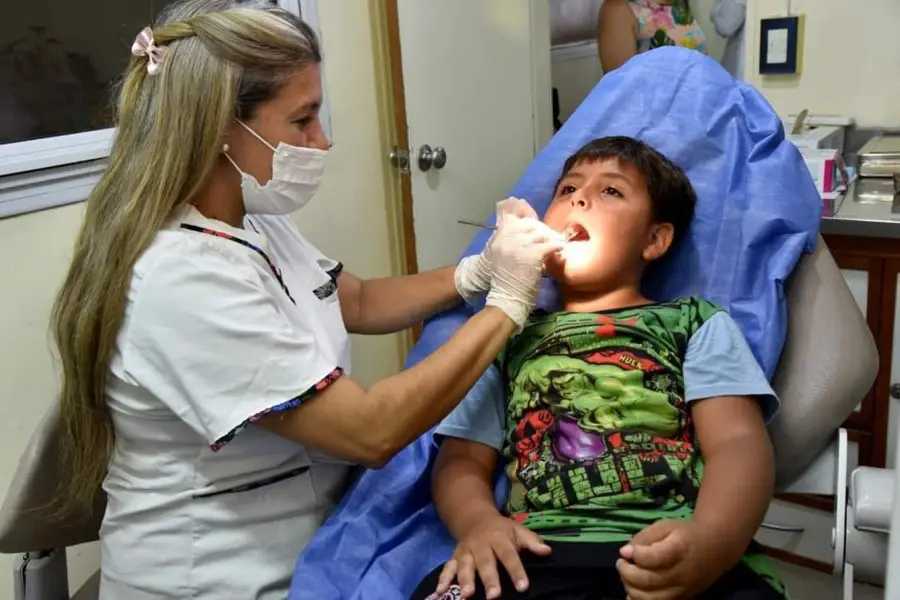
576	232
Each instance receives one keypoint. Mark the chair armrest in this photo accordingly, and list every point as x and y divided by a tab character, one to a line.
872	498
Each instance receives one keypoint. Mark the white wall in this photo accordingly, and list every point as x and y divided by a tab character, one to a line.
348	220
577	71
850	59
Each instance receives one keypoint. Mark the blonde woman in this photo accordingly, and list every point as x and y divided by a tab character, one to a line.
204	341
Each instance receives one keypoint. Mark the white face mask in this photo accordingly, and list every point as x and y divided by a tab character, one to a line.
296	176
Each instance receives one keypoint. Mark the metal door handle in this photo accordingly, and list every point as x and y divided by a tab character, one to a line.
429	158
895	391
788	528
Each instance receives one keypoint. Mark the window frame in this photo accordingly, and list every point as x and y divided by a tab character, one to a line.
58	171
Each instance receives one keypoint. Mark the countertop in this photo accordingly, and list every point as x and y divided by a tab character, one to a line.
865	212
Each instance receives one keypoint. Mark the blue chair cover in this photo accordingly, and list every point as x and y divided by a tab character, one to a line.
758	210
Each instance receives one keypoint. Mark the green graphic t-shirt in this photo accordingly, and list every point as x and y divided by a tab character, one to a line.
594	428
599	441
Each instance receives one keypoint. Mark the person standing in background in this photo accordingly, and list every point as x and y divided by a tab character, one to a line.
629	27
728	18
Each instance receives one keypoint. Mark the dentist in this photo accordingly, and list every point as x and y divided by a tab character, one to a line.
203	341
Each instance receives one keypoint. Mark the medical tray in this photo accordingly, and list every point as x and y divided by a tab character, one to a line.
880	157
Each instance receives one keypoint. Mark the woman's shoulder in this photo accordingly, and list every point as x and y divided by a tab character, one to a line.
617	9
185	251
183	271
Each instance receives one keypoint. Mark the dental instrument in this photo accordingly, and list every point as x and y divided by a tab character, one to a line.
568	234
474	224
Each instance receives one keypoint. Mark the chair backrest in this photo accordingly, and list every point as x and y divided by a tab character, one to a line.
27	520
828	365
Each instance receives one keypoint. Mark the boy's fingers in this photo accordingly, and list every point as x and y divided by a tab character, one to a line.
528	540
657	532
465	574
638	579
509	557
486	564
447	575
660	555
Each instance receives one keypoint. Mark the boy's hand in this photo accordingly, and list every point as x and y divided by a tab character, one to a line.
495	537
666	562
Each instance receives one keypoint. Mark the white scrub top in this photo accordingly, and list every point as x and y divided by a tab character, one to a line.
202	503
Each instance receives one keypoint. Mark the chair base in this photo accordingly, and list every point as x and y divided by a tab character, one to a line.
41	576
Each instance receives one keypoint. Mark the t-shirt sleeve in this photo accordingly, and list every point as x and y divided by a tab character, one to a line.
208	340
719	362
479	417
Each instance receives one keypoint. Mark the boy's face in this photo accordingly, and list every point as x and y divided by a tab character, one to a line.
604	207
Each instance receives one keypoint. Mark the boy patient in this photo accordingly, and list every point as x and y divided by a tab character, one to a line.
633	433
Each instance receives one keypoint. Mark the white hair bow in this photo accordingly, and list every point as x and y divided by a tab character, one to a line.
145	46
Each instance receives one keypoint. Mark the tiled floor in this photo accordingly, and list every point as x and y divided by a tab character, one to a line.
805	584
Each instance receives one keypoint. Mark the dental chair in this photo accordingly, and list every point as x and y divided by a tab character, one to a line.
29	528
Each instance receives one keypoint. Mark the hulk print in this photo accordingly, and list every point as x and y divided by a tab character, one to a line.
599	440
596	417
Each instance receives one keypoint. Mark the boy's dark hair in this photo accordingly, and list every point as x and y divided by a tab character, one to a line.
672	196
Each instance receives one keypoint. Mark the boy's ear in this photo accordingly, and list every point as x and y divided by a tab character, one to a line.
661	236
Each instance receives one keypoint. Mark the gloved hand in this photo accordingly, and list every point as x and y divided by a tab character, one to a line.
473	274
516	257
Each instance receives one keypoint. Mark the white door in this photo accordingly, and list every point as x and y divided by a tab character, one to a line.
476	75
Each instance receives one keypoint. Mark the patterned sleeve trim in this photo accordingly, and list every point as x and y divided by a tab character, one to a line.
290	404
335	271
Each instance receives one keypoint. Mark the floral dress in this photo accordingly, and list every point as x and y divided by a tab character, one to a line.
666	25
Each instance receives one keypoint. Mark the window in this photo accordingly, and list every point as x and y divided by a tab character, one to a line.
59	61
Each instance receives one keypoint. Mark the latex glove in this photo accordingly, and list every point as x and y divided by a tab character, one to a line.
517	256
473	274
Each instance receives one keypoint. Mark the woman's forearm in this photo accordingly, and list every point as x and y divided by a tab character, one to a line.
370	426
738	482
413	401
397	303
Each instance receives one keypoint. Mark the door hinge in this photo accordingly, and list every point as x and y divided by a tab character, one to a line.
400	159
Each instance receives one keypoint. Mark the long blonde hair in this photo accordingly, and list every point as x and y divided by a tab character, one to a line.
222	58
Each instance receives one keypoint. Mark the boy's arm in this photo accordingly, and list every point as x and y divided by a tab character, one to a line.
730	401
462	484
738	474
472	435
463	494
463	491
